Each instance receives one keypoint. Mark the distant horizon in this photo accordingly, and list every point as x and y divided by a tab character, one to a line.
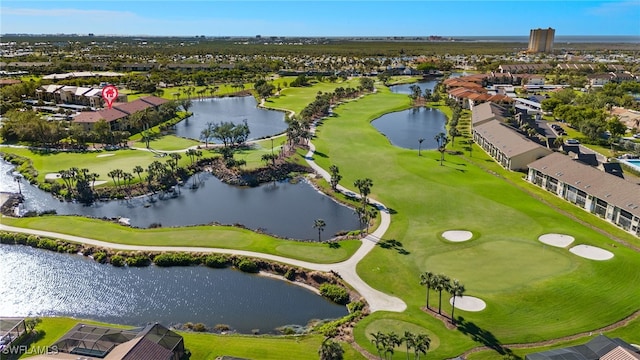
559	39
325	18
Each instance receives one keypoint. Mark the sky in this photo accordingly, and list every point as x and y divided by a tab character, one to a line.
320	18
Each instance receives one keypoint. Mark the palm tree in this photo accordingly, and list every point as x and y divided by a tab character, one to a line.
453	132
335	176
319	224
380	340
138	170
330	350
442	141
443	283
393	340
421	345
364	187
426	279
409	340
456	289
420	146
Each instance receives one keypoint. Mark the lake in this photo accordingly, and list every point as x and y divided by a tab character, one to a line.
262	122
282	208
405	128
37	282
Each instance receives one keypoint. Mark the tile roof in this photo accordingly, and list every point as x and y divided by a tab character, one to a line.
132	107
614	190
154	100
507	139
88	117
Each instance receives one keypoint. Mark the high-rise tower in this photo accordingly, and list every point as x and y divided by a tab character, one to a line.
541	40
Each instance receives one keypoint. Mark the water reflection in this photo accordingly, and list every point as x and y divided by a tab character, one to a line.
42	283
280	208
262	122
405	128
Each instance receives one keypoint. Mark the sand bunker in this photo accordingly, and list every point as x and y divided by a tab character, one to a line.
557	240
457	235
99	182
52	176
104	155
591	252
469	303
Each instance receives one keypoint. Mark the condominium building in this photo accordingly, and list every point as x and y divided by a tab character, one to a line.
541	40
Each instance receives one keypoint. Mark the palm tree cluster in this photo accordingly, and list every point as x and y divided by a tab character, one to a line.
439	283
335	177
364	211
330	350
442	141
320	225
77	182
387	342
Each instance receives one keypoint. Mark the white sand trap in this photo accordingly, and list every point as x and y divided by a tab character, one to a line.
104	155
99	182
457	235
52	176
591	252
557	240
468	303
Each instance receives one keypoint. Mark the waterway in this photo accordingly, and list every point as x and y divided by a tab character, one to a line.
37	282
405	128
262	122
282	208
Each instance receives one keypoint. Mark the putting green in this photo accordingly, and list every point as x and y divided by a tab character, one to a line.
387	326
500	265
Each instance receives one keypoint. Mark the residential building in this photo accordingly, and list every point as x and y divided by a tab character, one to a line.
118	113
541	40
509	148
599	348
610	197
88	342
489	111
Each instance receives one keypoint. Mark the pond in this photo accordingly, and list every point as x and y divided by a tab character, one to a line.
284	209
37	282
262	122
405	128
406	88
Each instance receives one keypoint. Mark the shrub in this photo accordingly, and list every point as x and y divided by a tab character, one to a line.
216	261
335	293
175	259
290	275
117	260
199	327
100	256
355	306
247	265
138	260
221	327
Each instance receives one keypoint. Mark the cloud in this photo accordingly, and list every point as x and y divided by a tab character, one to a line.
65	12
612	8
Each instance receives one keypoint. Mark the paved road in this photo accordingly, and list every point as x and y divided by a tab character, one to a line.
377	300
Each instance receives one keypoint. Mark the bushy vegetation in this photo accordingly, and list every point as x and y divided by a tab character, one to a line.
176	259
247	265
335	293
216	261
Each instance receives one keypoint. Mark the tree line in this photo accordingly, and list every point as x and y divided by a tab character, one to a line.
440	283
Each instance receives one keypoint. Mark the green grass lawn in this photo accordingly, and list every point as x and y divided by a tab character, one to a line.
227	237
298	98
168	143
525	284
179	92
99	162
206	346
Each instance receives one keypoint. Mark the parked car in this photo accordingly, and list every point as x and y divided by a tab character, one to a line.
572	142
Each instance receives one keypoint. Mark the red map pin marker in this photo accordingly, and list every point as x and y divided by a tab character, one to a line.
109	94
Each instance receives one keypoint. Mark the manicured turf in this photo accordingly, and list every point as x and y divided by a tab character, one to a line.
203	236
168	143
429	199
296	99
205	346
